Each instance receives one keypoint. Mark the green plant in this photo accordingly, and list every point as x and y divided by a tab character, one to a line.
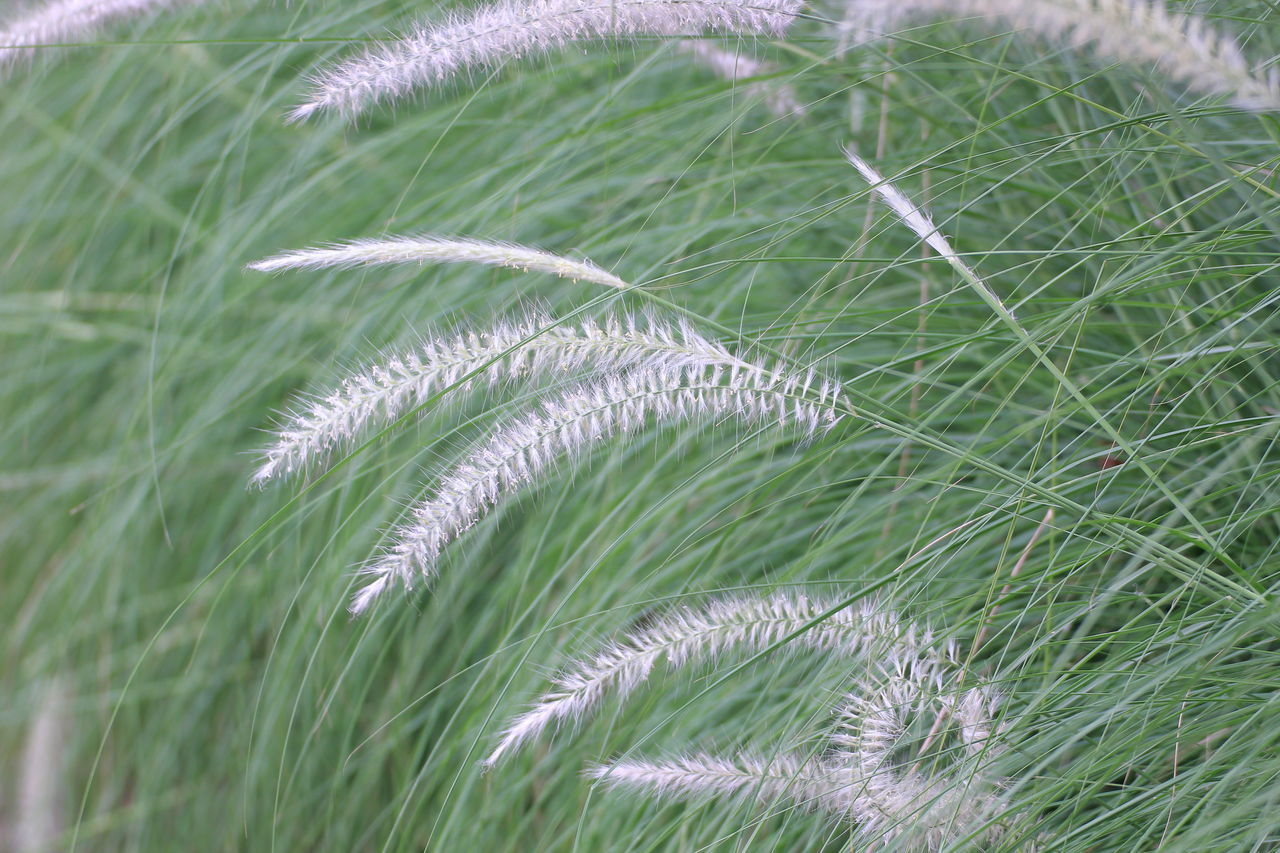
195	635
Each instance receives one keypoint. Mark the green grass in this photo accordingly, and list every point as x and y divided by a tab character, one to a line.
222	698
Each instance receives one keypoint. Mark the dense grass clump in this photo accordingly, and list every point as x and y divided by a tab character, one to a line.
1055	443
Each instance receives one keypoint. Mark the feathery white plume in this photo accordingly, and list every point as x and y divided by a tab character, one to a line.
919	222
686	636
1140	32
64	21
523	450
438	250
809	783
893	804
898	804
778	97
434	53
41	788
913	217
864	21
516	349
977	713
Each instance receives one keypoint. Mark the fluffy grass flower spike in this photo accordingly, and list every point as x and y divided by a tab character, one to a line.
868	776
523	450
906	210
915	218
808	783
898	802
687	636
66	21
1139	32
778	97
437	250
518	349
436	52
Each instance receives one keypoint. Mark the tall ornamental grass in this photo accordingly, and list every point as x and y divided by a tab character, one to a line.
735	426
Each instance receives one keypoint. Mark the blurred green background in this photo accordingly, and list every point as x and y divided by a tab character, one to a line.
176	650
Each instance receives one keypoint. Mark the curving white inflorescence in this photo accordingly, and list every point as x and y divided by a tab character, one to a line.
436	52
905	209
811	784
437	250
1140	32
570	426
778	97
918	220
516	349
686	637
976	712
868	777
897	804
64	21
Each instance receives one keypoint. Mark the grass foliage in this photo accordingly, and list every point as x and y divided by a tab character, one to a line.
219	692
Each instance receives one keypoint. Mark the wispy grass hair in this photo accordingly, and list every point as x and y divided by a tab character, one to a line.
426	249
525	448
436	52
868	776
63	21
1139	32
687	636
519	349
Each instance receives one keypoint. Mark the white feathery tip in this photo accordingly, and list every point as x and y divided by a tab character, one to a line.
1138	32
897	804
869	777
808	783
523	450
686	637
438	250
436	52
64	21
516	350
911	215
778	97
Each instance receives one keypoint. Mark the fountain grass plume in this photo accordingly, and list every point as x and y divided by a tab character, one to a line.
686	636
518	349
915	218
64	21
434	53
899	804
783	777
868	777
778	97
41	785
525	449
911	215
1139	32
427	249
